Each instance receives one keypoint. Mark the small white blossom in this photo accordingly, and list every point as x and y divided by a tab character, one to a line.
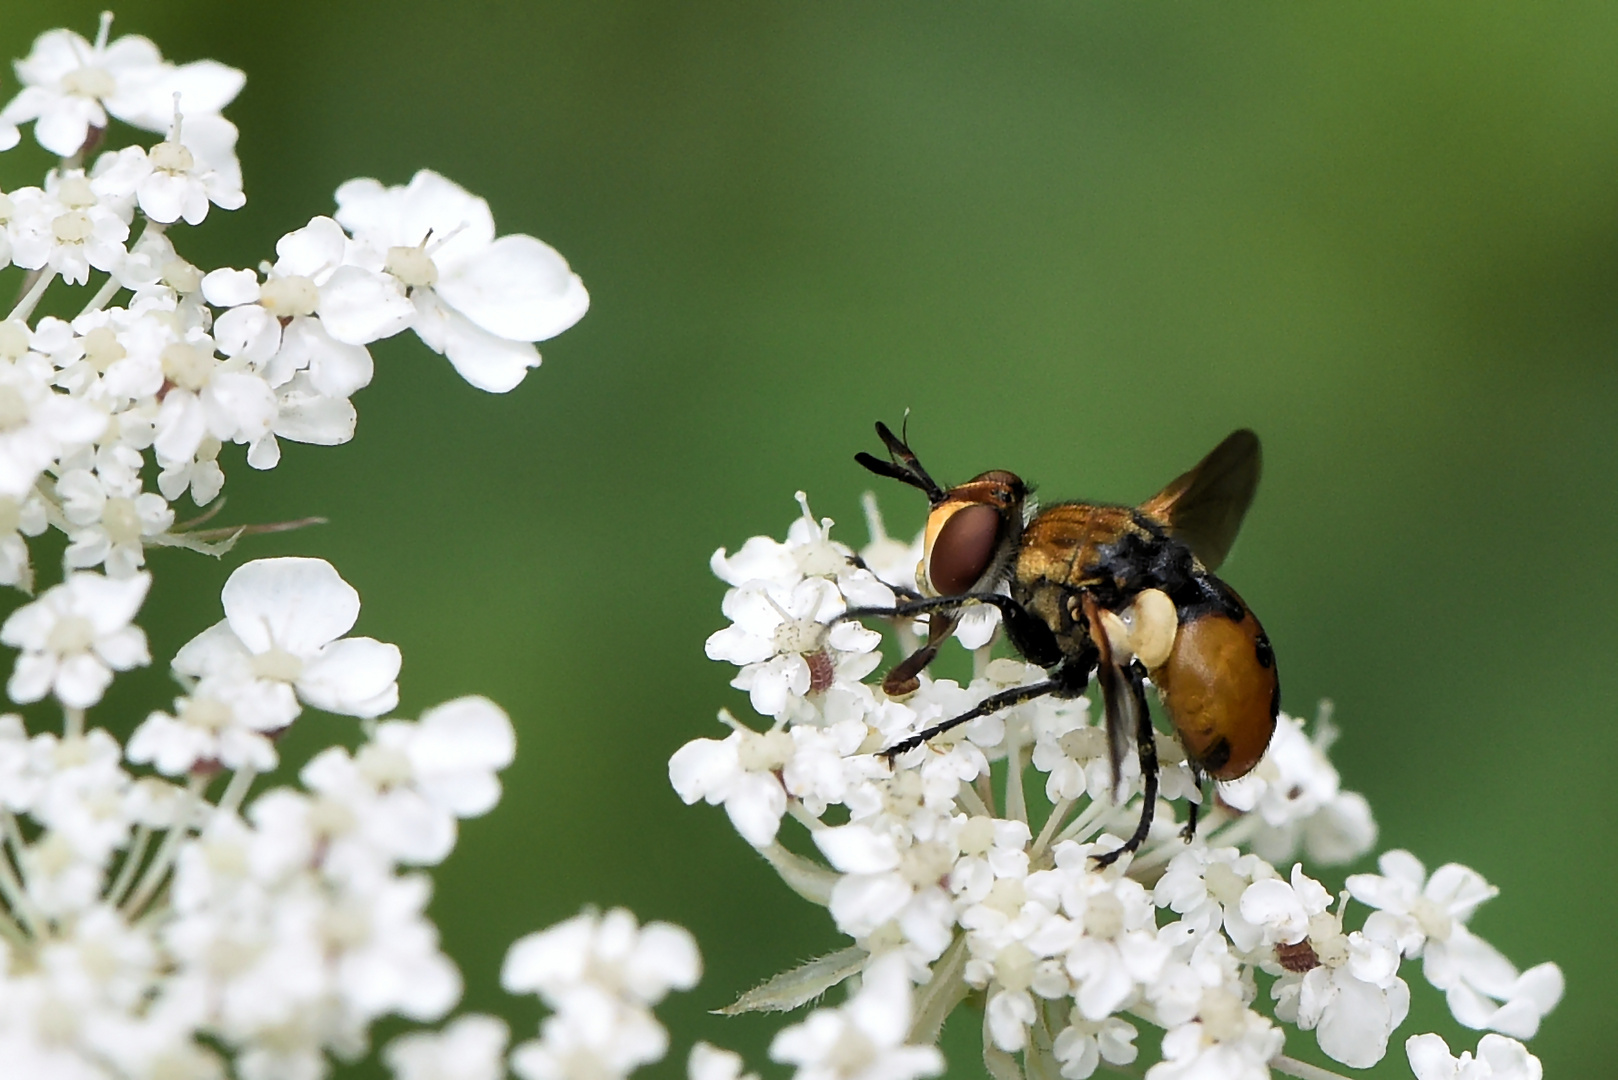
471	1047
739	772
74	637
70	85
284	621
479	300
863	1039
1427	917
1498	1058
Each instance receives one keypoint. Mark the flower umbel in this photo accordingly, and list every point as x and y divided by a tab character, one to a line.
958	892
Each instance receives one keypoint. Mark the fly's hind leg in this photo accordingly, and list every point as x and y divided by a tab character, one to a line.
1146	747
1189	833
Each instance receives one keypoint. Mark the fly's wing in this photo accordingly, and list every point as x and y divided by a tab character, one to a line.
1204	508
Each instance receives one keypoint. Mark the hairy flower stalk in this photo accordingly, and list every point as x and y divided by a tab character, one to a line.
939	866
161	917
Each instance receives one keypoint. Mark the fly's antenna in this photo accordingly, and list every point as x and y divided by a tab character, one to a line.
901	464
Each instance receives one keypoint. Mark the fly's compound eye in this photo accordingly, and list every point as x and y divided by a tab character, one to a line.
961	547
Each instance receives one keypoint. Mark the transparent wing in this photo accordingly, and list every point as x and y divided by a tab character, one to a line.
1204	507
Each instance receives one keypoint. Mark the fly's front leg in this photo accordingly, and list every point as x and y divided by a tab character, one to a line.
1005	699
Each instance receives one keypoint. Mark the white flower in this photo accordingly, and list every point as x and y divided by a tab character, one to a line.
386	952
207	396
72	225
1084	1044
600	973
1297	792
863	1039
111	515
1427	917
222	720
780	640
70	85
178	178
38	425
709	1062
74	637
284	620
1498	1058
893	880
591	1034
19	518
472	1047
406	785
739	772
1351	997
1227	1041
480	300
639	963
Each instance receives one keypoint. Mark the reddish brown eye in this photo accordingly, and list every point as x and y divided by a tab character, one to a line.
962	551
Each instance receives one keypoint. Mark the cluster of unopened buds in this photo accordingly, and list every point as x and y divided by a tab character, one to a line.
980	894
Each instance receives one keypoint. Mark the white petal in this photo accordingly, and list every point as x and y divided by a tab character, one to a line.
1430	1058
517	288
292	603
755	804
359	306
486	361
228	288
704	769
857	849
354	677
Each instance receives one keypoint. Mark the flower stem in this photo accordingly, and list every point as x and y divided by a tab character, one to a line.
1302	1069
108	290
167	851
1052	823
132	860
30	299
236	790
11	886
72	723
1016	797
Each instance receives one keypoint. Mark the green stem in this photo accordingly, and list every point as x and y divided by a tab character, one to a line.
168	851
30	299
1302	1069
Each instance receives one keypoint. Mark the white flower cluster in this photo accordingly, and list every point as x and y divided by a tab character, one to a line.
160	919
143	923
1002	901
112	416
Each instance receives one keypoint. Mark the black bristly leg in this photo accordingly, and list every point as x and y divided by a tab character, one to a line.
1146	747
1190	830
1027	631
933	603
1005	699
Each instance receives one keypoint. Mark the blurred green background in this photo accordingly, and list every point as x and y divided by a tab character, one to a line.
1078	240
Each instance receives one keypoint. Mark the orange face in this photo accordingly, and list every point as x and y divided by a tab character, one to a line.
1220	688
966	532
